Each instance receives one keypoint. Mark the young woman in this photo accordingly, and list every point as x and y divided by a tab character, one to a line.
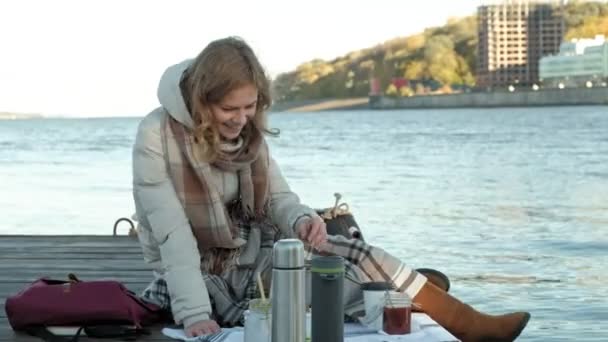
211	201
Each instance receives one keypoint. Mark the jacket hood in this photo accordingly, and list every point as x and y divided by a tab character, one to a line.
170	95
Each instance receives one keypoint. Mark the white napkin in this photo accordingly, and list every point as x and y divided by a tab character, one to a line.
226	335
419	336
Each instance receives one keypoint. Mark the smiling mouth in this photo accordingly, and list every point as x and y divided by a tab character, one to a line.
234	128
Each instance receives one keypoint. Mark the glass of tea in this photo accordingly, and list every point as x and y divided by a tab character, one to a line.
397	317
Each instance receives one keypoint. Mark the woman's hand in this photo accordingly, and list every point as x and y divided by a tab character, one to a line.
312	230
202	328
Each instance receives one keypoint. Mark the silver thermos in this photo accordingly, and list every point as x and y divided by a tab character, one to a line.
288	292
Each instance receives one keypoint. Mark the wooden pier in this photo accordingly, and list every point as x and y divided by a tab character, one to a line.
27	258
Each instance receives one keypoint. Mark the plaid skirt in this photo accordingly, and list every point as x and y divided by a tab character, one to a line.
231	291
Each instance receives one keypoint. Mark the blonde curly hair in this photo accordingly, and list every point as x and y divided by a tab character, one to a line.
224	65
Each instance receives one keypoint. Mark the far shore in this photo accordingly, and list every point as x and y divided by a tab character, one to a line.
18	116
294	106
545	97
321	105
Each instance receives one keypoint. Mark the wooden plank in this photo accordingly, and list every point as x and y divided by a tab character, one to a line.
74	267
7	334
115	242
127	250
103	255
67	240
60	248
75	264
71	240
71	268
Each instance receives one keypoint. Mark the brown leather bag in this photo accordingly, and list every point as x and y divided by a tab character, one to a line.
340	221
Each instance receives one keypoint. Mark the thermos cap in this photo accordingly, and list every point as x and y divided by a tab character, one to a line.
288	253
327	264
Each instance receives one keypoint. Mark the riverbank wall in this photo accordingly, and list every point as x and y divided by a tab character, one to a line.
545	97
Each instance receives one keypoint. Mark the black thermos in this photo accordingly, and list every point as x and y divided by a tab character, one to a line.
327	321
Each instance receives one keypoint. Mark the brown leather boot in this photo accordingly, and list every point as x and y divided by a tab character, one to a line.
465	322
437	278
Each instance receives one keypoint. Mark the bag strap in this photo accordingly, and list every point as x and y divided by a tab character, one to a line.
95	331
115	331
42	332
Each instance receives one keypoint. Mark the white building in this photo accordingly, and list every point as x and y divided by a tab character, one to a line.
580	62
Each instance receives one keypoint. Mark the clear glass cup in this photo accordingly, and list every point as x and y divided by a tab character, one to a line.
258	321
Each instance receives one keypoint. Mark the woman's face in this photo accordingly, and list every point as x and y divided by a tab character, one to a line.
234	110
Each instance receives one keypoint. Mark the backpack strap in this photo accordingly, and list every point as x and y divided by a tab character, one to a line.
42	332
94	331
115	331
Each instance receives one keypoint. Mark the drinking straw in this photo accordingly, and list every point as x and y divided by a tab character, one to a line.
261	286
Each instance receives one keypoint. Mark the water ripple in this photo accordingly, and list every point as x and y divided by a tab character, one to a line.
505	279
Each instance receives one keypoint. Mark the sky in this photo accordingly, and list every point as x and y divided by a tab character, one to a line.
93	58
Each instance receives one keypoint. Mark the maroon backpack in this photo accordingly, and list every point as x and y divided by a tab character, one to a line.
103	308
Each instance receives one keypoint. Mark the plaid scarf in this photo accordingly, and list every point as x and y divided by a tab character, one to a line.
209	217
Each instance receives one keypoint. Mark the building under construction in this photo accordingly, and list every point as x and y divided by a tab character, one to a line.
513	36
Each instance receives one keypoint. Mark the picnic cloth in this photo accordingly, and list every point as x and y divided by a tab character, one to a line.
424	329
